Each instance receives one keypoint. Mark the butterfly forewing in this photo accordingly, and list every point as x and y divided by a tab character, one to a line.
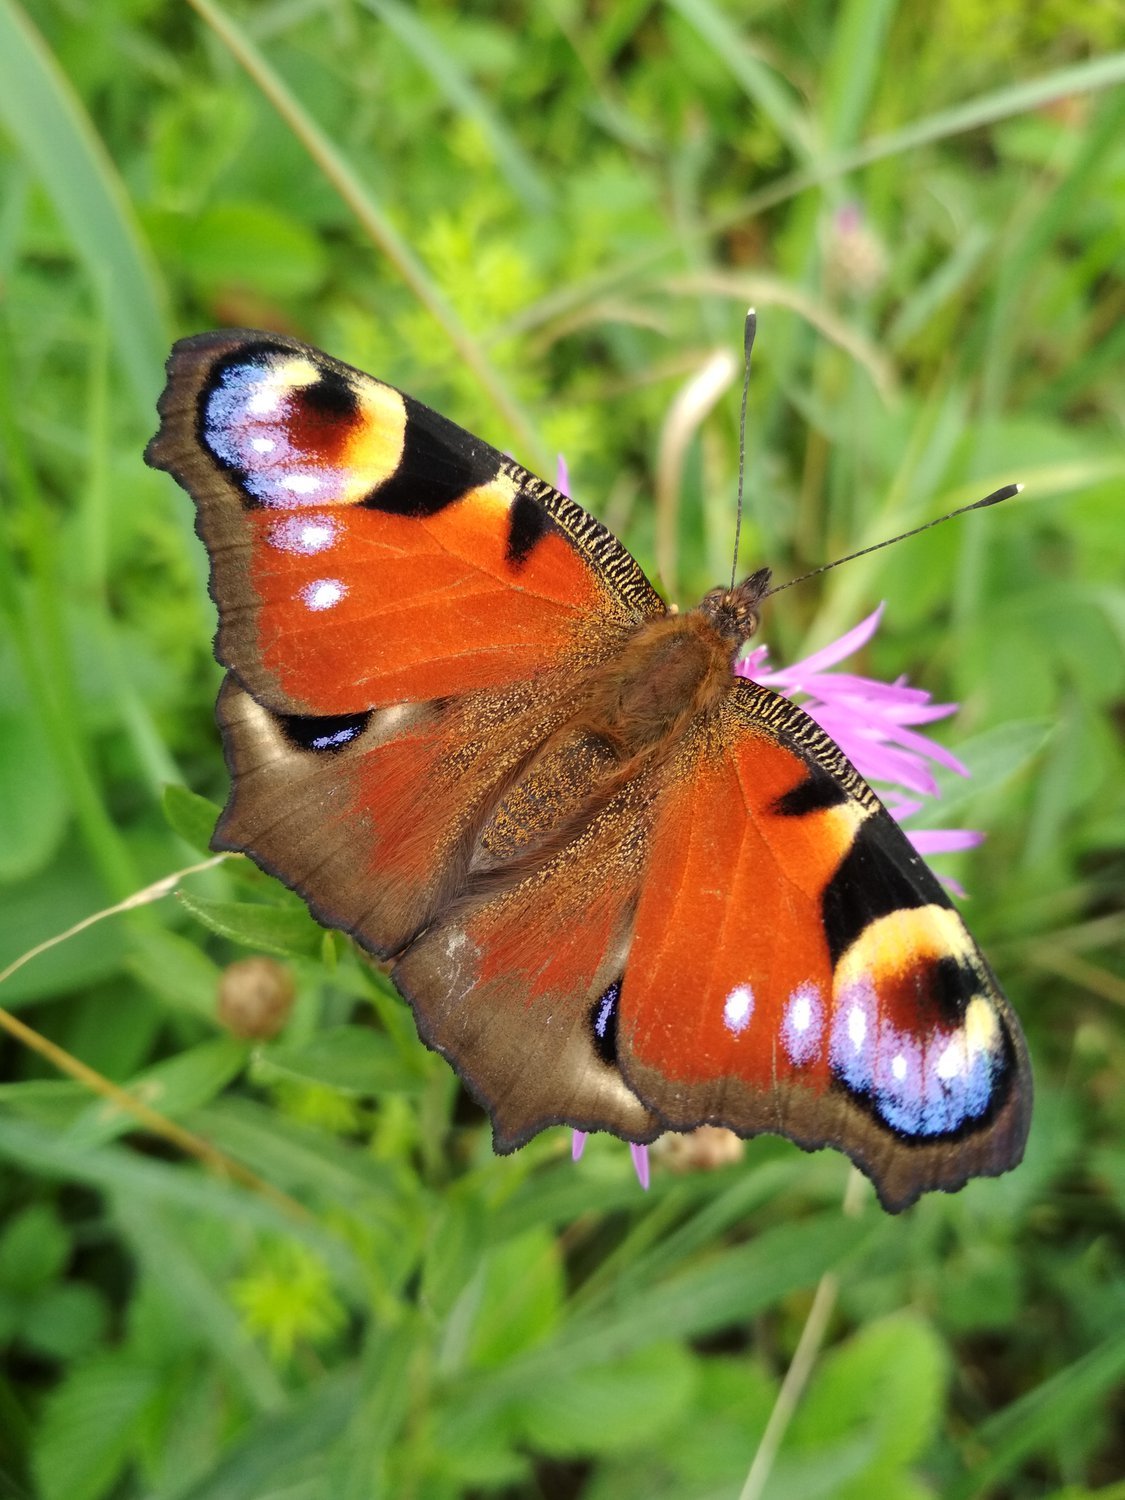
364	550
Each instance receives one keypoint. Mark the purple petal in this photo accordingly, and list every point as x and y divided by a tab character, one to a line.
918	742
863	689
750	663
577	1144
943	840
562	476
901	808
850	641
640	1163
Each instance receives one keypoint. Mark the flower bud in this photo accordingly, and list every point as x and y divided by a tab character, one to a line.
701	1150
255	998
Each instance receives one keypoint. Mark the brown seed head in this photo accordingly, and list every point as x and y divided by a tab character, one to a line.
255	998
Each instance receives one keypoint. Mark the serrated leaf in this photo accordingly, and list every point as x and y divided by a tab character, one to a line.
353	1059
191	816
283	931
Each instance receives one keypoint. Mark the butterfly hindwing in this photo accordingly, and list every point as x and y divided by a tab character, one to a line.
818	982
367	551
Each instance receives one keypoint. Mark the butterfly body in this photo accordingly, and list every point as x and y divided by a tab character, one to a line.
622	887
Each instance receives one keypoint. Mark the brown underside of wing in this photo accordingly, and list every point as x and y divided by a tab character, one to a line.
425	837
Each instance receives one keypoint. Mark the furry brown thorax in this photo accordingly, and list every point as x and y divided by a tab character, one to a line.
673	669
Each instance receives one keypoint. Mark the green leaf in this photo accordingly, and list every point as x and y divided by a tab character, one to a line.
66	1322
993	758
616	1405
31	821
183	1302
514	1299
248	244
353	1059
283	931
264	1461
191	816
174	1087
112	1168
88	1426
54	1103
445	68
881	1391
696	1456
34	1249
176	970
44	905
40	108
1035	1422
298	1157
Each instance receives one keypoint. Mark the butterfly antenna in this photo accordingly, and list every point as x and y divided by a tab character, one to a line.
749	330
994	499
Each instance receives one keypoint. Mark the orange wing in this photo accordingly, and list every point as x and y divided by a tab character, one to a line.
367	551
795	967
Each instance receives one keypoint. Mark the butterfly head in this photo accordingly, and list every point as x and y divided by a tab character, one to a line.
734	612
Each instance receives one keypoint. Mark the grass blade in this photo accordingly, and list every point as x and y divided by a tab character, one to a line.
41	111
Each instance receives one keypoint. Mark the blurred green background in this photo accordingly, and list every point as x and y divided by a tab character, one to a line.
546	220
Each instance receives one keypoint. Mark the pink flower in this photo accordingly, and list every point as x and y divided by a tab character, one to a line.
872	722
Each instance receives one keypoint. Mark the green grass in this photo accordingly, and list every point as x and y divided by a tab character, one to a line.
545	221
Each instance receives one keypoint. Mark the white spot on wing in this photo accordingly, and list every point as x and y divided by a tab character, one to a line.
300	484
953	1059
324	593
304	537
898	1067
857	1027
263	403
802	1023
738	1008
263	445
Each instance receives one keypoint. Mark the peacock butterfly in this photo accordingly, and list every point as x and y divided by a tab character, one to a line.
622	888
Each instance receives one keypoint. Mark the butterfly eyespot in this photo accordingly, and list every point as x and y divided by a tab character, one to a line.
320	733
603	1024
